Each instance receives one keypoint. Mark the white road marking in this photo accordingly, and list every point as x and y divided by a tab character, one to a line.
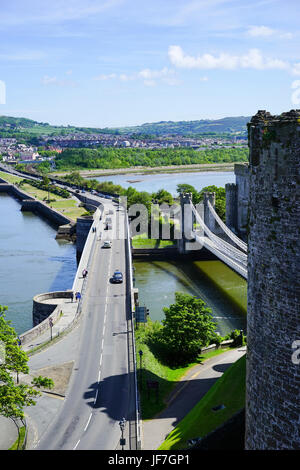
74	448
86	426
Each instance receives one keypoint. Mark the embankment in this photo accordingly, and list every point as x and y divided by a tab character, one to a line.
233	286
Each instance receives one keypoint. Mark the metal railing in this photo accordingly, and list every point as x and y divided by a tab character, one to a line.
131	307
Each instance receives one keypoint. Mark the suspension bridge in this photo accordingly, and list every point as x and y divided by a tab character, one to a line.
232	252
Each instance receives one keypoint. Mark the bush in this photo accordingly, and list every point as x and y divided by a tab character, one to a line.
238	338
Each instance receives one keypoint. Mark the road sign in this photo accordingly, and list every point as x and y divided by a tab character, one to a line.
141	314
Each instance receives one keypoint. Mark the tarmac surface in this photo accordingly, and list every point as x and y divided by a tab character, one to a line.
59	365
184	397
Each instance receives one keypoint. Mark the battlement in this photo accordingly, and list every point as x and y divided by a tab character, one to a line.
241	169
265	117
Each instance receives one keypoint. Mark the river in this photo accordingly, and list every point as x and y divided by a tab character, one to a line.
169	181
158	281
32	261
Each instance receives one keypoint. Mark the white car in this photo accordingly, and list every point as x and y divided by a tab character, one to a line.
107	244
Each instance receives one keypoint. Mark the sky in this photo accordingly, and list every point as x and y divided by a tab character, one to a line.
109	63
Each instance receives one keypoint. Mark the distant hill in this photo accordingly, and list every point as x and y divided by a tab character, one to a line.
204	126
227	125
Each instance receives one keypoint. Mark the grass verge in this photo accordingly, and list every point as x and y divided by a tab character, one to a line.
141	241
201	420
151	369
67	207
19	442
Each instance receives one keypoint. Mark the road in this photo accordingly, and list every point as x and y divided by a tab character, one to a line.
186	395
99	390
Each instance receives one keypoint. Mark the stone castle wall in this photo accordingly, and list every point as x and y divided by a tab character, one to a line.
273	322
237	199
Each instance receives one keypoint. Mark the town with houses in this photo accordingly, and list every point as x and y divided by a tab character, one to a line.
13	151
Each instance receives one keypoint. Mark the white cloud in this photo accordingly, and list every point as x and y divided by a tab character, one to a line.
2	96
165	75
149	82
149	74
57	11
150	77
286	35
258	31
253	60
46	80
296	69
295	98
296	84
266	32
106	76
124	77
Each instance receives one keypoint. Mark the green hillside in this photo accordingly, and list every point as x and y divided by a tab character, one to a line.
229	390
227	125
205	126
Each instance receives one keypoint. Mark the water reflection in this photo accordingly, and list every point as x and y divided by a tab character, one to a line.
158	281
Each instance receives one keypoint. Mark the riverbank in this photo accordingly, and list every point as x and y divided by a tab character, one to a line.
149	170
231	284
70	207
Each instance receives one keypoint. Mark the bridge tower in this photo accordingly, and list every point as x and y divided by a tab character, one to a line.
209	219
187	221
273	322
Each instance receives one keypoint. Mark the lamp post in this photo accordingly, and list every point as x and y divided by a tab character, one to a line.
122	427
141	355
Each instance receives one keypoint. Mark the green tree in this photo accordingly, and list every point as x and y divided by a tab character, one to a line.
220	199
188	188
163	196
14	397
188	326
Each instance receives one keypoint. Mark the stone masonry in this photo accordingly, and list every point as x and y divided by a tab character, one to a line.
237	199
273	323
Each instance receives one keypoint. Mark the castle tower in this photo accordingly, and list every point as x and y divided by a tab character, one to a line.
273	323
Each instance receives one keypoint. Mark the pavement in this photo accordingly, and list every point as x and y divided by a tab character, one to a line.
70	310
184	397
188	392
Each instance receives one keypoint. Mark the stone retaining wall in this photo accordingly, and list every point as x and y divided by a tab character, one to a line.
45	311
42	310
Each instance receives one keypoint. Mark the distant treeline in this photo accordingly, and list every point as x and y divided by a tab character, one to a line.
131	157
29	131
